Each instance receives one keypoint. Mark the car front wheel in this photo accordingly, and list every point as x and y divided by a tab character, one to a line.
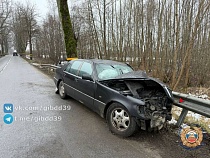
119	120
62	91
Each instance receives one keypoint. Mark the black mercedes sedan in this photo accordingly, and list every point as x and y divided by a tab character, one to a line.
127	99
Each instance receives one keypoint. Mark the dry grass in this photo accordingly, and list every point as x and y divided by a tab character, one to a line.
198	91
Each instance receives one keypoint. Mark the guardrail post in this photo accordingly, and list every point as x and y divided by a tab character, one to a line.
182	117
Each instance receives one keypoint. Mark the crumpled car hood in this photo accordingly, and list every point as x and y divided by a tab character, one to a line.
141	75
138	75
134	74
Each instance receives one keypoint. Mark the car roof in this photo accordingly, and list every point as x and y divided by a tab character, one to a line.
101	61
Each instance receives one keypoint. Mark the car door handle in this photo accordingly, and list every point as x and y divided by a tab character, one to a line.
76	79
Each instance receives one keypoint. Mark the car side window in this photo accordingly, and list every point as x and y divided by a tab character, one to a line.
68	68
75	66
86	69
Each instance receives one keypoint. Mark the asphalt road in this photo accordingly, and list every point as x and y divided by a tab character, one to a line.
38	131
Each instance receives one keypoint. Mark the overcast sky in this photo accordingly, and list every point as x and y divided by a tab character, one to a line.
40	5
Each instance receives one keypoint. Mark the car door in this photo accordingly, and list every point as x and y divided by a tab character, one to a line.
69	77
86	87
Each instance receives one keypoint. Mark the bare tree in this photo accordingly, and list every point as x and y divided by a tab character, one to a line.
165	38
49	42
25	26
5	13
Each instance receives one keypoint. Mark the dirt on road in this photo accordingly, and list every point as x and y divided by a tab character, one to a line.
169	144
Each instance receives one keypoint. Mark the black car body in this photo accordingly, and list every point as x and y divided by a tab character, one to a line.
126	98
15	54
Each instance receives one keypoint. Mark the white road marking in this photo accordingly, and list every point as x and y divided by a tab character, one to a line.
1	71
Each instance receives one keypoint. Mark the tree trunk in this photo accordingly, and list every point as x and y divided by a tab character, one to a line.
70	41
30	45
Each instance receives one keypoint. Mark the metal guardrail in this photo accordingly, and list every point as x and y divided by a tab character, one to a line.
49	65
190	103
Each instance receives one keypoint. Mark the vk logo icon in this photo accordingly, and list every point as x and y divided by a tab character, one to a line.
8	119
8	108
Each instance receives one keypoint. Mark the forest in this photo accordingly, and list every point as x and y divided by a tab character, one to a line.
169	39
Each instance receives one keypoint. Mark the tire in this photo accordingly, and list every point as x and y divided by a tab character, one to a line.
62	91
119	120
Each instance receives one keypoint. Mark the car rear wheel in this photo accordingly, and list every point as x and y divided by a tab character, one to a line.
62	91
119	120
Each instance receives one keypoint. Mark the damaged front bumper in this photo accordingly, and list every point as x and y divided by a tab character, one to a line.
149	100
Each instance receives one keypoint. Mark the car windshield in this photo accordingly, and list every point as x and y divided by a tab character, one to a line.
107	71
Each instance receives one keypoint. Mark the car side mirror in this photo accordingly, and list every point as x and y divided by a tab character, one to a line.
87	77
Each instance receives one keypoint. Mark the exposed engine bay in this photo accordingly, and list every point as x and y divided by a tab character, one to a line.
157	106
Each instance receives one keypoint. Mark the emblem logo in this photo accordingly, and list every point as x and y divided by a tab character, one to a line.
191	137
